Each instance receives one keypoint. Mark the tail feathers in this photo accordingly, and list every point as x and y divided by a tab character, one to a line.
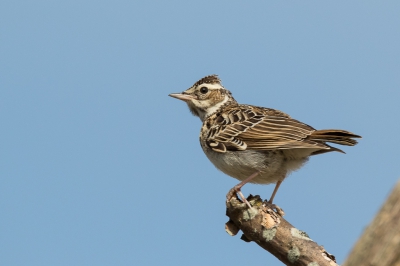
341	137
328	150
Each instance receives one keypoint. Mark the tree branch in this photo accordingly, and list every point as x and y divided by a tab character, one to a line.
270	231
380	243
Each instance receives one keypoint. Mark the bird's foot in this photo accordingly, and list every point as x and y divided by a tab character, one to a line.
236	190
274	207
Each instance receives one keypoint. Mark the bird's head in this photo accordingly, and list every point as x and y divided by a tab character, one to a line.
206	96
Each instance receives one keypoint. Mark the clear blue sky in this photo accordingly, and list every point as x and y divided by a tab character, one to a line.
100	167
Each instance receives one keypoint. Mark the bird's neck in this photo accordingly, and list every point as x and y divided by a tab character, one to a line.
205	113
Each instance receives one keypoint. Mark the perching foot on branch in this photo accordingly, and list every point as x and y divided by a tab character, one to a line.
264	225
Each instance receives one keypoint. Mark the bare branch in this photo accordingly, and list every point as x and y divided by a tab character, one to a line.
270	231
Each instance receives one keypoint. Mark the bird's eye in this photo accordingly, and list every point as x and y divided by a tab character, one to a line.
203	90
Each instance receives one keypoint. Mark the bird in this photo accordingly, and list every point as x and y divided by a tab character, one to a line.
254	144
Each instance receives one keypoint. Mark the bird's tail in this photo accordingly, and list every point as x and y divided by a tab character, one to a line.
337	136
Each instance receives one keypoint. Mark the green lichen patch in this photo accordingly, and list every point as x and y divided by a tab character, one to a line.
269	234
299	234
249	214
293	254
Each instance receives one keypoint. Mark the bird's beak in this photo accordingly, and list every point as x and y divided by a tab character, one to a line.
181	96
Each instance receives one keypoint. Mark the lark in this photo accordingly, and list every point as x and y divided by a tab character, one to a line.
254	144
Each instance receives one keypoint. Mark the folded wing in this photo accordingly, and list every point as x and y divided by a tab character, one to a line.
257	128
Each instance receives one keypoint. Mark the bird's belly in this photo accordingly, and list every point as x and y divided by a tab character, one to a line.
242	164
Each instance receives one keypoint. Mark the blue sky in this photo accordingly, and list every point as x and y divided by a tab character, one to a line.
100	167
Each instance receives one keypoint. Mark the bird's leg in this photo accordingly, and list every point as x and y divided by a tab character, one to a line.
274	192
236	189
274	206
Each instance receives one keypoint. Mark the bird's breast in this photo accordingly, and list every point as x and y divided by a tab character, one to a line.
242	164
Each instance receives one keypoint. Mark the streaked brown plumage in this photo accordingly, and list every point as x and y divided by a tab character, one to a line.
254	144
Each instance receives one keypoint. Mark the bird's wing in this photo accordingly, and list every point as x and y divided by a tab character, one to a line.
249	127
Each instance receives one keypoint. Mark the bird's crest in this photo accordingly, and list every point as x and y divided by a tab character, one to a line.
211	79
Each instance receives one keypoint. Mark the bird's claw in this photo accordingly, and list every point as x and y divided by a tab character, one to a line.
274	207
232	192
